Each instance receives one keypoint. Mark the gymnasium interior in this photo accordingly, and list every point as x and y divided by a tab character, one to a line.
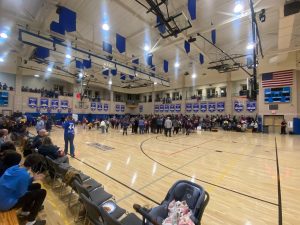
149	112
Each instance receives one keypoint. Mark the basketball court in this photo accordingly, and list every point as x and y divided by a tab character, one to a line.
238	170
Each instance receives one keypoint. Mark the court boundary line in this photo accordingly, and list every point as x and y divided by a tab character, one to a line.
204	181
280	220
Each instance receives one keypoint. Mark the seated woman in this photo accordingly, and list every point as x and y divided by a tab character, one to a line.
52	151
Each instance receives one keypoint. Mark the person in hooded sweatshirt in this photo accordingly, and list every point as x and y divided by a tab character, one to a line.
18	191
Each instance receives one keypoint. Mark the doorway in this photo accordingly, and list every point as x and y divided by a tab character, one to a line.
273	122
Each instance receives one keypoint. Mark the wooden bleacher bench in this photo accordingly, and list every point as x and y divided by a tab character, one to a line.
9	218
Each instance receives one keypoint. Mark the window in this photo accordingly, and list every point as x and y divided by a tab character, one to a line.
199	92
211	92
223	92
145	98
175	95
244	87
150	98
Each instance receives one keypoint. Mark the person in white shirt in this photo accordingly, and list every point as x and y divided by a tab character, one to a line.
103	126
168	126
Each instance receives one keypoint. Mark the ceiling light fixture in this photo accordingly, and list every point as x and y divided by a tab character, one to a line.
176	64
155	83
1	60
80	75
146	48
3	35
238	7
105	27
49	69
110	82
194	75
36	75
250	46
68	56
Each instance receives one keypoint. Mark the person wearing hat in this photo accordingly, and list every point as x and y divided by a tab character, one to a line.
17	189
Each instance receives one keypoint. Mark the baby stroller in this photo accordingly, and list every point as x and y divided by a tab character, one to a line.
194	195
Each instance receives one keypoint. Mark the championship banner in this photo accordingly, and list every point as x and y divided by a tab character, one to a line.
167	107
172	108
32	102
156	108
238	106
54	104
161	108
178	108
251	106
99	107
211	106
93	106
105	106
188	107
64	104
122	108
44	102
117	108
196	107
141	108
203	107
220	106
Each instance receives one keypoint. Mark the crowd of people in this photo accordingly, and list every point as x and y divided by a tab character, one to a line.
175	123
5	87
47	93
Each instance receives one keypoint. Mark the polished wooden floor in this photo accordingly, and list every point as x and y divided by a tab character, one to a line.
239	170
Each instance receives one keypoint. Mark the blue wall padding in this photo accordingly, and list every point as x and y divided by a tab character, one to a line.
166	66
120	43
192	9
87	64
57	28
42	52
149	59
67	18
107	47
296	125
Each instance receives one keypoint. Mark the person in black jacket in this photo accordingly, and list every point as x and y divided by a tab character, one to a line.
37	141
52	151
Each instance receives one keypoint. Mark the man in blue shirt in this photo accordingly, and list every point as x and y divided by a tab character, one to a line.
69	134
18	191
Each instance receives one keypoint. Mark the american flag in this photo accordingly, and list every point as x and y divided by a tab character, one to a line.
277	79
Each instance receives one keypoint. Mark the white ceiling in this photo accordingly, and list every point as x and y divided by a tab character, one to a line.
129	19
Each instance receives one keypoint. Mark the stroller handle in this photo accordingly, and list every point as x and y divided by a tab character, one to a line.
145	214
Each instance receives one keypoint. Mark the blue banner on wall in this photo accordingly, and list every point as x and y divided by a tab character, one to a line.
167	107
161	108
203	107
117	108
44	102
178	108
238	106
105	106
211	106
220	106
141	108
196	107
122	108
251	106
188	107
156	108
99	107
32	102
54	104
64	104
93	106
172	108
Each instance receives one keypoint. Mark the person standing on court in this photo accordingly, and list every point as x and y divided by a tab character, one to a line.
283	127
69	134
168	126
39	125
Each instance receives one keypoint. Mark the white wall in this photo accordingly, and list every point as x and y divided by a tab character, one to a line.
8	78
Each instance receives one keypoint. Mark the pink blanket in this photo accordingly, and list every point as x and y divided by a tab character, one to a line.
179	214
